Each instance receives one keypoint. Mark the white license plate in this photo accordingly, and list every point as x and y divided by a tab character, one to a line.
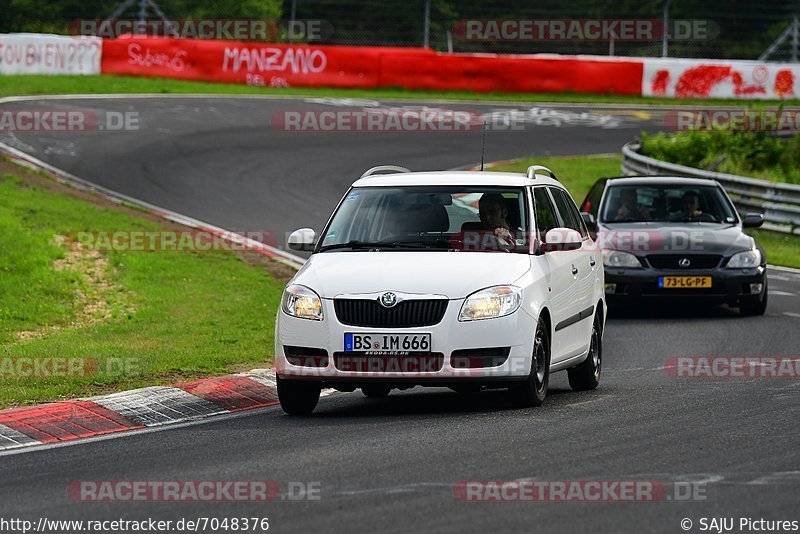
387	343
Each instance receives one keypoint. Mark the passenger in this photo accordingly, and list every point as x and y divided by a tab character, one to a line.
629	207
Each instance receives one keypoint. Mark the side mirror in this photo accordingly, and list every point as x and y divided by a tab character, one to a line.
562	239
589	221
302	239
752	220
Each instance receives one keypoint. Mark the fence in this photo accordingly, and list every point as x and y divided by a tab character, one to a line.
741	29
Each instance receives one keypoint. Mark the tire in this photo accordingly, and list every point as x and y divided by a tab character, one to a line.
586	376
534	389
756	307
376	391
298	397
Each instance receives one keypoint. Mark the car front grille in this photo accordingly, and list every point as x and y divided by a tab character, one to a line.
406	314
672	261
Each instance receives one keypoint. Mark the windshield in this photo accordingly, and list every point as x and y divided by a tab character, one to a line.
667	203
479	219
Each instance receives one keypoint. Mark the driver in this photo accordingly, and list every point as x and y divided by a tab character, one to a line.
493	213
690	206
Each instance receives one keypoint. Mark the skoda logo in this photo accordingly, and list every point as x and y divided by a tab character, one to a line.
388	299
684	262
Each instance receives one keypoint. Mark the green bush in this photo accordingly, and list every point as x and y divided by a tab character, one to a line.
756	154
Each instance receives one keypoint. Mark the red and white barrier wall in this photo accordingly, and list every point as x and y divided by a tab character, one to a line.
693	78
340	66
281	65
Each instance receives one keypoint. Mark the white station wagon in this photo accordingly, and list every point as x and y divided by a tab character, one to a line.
466	280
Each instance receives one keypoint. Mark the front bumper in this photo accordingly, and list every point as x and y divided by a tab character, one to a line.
729	286
513	333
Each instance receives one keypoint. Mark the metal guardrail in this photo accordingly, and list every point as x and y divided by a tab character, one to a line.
780	203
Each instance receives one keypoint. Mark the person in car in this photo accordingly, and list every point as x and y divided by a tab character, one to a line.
493	213
690	207
629	207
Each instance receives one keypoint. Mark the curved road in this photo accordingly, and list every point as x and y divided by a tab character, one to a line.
391	465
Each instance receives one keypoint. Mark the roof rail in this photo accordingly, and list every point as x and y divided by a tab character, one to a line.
533	170
381	168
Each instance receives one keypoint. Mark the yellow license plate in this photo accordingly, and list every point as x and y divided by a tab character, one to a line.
684	282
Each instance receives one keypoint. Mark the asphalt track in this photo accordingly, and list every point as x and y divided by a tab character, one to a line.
390	465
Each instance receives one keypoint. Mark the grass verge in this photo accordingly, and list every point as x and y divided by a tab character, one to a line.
113	84
121	319
578	173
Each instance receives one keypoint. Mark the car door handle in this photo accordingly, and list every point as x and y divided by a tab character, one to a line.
592	262
574	270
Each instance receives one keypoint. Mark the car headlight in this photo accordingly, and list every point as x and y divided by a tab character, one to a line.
617	258
491	302
300	301
745	260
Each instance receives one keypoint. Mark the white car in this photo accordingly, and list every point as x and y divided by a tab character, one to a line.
466	280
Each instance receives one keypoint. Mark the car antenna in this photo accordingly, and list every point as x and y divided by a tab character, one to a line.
483	144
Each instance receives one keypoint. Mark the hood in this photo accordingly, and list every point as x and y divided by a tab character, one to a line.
453	274
674	238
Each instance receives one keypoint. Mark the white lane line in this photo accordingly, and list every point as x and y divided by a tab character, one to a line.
777	293
779	477
790	270
637	369
792	314
228	96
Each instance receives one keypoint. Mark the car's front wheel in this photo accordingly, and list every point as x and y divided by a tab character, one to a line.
298	397
586	375
532	391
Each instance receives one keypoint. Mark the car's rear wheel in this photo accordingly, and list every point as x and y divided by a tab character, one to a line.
755	307
298	397
586	376
533	390
376	391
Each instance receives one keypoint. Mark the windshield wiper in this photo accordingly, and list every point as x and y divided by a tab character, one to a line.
358	245
439	243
